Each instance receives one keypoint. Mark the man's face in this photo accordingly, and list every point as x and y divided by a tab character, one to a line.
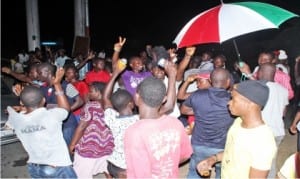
203	83
94	94
158	73
264	58
236	103
219	63
99	65
70	74
136	64
44	74
33	74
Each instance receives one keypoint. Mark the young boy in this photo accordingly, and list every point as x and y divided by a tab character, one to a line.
250	145
118	116
40	132
133	77
157	143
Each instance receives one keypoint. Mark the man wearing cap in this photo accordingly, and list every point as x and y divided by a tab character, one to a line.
250	145
203	82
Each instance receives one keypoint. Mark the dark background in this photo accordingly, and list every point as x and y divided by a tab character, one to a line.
155	22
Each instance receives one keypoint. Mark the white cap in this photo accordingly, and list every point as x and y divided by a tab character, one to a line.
282	55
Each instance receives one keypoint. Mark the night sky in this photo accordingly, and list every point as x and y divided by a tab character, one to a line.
155	22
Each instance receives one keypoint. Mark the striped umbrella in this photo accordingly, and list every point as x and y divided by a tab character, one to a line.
227	21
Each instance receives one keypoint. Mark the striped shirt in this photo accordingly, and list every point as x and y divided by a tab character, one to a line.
97	140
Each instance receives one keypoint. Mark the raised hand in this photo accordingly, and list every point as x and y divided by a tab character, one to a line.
170	69
58	76
189	51
6	70
118	46
192	78
91	55
17	89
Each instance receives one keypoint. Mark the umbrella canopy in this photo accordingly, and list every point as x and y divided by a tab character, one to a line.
227	21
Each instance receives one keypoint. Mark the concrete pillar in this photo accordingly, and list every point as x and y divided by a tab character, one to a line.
79	18
33	25
87	20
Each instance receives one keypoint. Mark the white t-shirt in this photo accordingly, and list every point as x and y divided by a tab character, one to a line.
41	135
288	169
246	148
272	113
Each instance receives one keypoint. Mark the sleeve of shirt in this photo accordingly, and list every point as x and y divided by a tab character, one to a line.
109	116
85	114
59	114
188	101
11	117
135	155
83	88
71	91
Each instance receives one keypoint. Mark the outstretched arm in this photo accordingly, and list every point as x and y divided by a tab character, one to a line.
109	87
117	49
182	94
91	55
18	76
171	71
293	127
62	101
78	134
189	52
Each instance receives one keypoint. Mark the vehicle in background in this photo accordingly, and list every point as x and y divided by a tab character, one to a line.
7	99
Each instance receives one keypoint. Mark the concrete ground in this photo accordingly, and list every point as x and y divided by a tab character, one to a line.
13	156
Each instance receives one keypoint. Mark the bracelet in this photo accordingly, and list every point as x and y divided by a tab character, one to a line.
59	93
117	49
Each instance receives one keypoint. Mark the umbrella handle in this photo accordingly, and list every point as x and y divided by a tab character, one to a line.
237	51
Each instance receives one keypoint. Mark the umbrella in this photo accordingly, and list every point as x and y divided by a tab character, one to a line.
229	20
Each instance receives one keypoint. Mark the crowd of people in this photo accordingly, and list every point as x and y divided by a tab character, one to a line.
143	117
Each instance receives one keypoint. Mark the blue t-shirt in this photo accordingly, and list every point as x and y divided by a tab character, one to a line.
212	117
49	93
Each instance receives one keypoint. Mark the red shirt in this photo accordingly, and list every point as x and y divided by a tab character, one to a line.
100	76
83	90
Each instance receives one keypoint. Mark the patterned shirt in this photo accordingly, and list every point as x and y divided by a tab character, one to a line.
97	140
118	126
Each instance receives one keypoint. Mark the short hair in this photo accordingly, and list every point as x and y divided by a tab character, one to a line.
220	56
96	59
49	67
99	86
31	96
152	91
120	99
219	77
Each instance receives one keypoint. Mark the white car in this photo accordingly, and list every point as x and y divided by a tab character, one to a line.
7	99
